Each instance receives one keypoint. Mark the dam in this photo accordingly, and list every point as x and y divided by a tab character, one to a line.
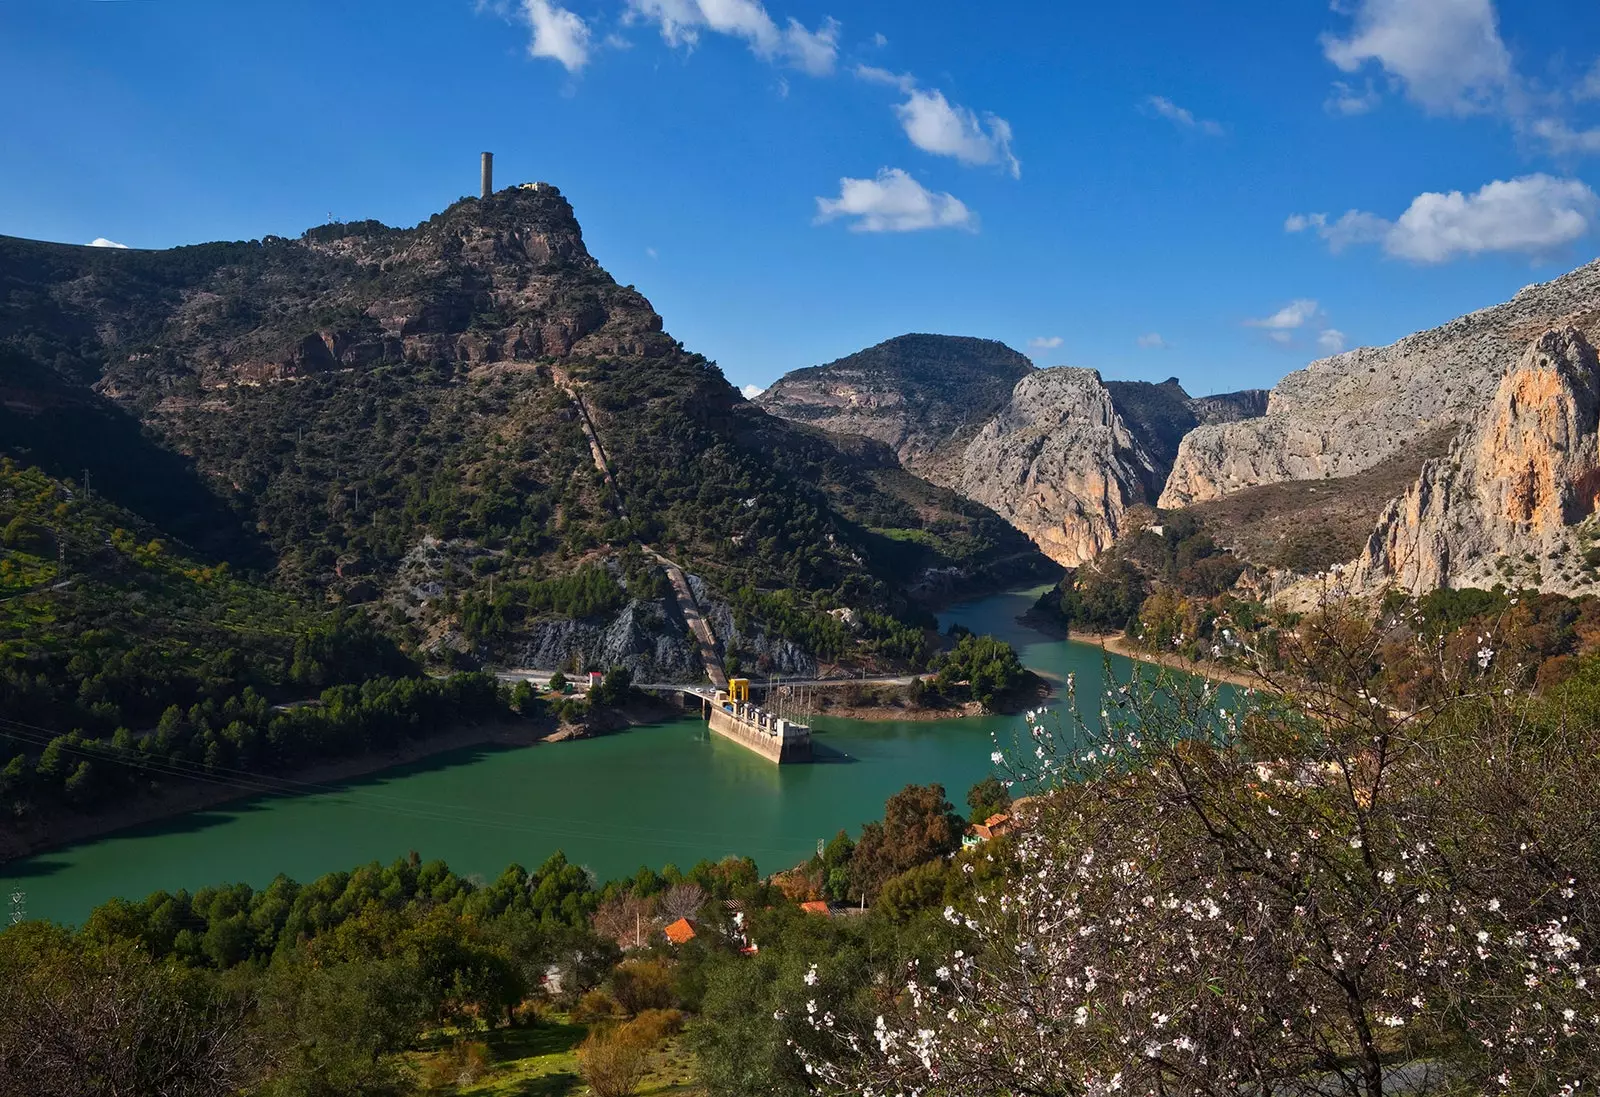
729	713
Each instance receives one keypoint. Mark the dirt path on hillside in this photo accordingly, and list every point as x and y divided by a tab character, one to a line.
1118	644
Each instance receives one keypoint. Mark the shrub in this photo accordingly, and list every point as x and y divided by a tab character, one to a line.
652	1026
463	1063
611	1063
596	1007
639	985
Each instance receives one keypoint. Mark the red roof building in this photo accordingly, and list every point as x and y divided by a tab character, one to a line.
816	906
679	932
992	827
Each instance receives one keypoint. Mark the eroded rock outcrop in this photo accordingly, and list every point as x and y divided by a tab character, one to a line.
1061	464
1347	413
1059	453
922	395
1504	505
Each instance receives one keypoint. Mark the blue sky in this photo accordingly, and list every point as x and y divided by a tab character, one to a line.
1215	191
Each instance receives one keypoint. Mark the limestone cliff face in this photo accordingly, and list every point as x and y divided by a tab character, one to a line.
1061	464
922	395
1502	506
1059	453
1345	414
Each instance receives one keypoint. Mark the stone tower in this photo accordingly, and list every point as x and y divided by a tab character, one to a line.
488	174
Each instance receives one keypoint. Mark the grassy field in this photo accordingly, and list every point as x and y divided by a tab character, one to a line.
540	1060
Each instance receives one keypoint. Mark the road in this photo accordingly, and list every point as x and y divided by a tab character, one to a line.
705	640
542	678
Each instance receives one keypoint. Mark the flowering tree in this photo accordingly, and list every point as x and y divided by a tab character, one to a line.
1297	892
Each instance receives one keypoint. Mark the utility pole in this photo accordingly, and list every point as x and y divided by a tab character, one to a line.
19	907
88	492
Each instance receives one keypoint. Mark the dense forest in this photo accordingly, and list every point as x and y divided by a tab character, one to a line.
126	664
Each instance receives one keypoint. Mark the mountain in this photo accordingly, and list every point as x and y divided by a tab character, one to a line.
1060	453
922	395
1344	414
1069	454
1513	501
469	428
1459	456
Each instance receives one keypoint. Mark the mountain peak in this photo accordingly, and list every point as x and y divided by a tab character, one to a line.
922	394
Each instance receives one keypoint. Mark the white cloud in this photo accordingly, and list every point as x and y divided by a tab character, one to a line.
750	392
681	22
937	126
102	242
1331	340
1563	139
651	252
557	34
1589	88
812	51
874	75
1355	227
1532	214
894	202
1163	107
879	40
1152	341
1447	54
1287	319
1046	342
1346	100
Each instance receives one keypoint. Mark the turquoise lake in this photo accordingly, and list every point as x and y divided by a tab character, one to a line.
667	793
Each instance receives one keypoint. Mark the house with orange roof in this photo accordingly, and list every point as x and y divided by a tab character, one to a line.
816	906
992	827
679	932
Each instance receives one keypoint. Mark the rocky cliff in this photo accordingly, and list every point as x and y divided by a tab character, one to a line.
412	420
1511	501
923	395
1069	454
1347	413
1059	453
1060	464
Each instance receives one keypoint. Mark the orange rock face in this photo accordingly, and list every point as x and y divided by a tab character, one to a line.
1502	506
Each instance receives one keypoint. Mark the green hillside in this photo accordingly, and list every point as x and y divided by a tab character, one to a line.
394	420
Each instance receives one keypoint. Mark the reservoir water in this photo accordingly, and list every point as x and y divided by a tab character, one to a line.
653	795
